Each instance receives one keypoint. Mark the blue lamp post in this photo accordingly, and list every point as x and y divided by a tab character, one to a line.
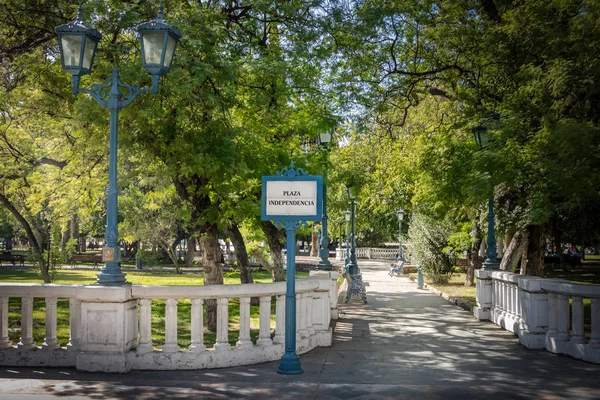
400	218
324	264
348	218
353	266
483	141
77	44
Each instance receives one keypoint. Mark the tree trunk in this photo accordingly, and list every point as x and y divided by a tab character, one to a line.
474	259
212	269
241	254
274	239
36	245
314	246
191	248
514	252
536	247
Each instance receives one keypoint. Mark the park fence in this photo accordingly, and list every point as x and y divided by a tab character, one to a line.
110	328
544	313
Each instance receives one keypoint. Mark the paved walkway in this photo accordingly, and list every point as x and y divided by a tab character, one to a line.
404	344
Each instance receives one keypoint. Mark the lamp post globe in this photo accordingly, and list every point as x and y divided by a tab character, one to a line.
77	46
400	218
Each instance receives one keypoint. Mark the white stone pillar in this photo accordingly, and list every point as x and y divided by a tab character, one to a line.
534	309
197	327
595	338
109	325
26	323
171	345
279	337
222	341
50	341
264	335
244	337
145	327
483	296
4	340
578	336
74	324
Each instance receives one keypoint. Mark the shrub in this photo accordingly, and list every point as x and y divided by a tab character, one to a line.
428	243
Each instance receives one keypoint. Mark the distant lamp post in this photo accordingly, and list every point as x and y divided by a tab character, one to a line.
77	44
348	218
400	218
324	264
353	265
482	138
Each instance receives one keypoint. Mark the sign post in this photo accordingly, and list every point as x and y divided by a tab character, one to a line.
291	198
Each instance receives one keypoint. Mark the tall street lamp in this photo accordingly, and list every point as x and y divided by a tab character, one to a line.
348	218
78	43
324	264
400	218
353	265
483	141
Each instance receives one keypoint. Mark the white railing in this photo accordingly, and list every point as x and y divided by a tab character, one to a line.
376	253
544	313
111	327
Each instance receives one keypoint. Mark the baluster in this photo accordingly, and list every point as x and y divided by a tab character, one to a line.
171	345
279	337
552	319
145	325
197	326
509	299
26	323
563	317
595	339
222	341
244	338
577	320
264	335
50	341
4	340
74	324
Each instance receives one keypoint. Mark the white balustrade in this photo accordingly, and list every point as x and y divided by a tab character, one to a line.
377	253
544	313
111	328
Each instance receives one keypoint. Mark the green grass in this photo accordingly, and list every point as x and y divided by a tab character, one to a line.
455	288
68	276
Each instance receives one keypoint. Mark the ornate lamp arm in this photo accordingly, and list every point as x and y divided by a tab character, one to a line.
101	92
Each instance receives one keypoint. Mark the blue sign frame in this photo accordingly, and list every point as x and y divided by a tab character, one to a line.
297	175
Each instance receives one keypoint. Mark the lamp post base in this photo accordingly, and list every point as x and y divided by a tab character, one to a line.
324	266
290	364
490	265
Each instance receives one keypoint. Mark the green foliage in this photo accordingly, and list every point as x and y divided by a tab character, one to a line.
429	244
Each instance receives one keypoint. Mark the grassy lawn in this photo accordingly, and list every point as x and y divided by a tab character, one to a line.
69	276
455	288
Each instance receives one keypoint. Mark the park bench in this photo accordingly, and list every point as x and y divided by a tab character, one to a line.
86	258
397	269
13	258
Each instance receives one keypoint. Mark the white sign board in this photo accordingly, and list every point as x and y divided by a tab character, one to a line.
294	198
